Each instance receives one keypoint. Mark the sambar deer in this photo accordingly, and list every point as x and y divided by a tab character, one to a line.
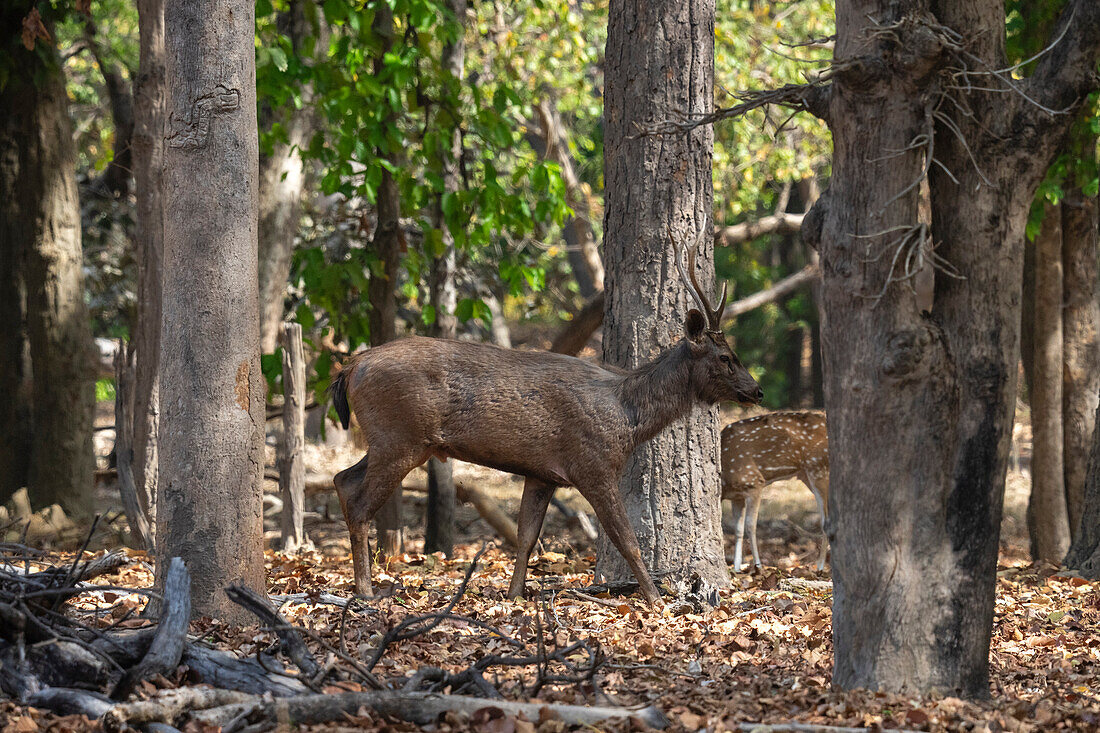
773	447
554	419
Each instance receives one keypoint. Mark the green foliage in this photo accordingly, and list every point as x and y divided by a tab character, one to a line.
105	390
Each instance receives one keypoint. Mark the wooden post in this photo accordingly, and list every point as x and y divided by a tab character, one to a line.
292	470
140	528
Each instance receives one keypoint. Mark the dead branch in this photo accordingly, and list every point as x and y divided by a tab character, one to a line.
418	708
166	650
292	642
811	97
170	706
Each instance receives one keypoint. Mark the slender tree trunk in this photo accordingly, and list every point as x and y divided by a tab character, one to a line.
382	289
1081	336
148	152
1047	518
581	248
292	467
660	57
212	389
282	181
1084	553
439	527
45	244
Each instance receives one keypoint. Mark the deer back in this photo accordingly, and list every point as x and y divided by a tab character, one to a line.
773	447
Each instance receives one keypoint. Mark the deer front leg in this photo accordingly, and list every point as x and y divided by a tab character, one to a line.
819	485
532	511
737	501
608	505
753	511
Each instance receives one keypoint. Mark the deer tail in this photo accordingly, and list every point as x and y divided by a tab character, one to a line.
339	391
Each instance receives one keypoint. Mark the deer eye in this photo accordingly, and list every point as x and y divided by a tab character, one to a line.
726	360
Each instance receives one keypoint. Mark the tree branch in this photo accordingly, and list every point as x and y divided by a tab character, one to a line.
1067	73
784	287
779	223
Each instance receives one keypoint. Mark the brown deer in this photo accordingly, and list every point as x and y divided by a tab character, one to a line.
774	447
554	419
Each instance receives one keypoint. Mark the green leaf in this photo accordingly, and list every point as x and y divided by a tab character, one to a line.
278	57
427	314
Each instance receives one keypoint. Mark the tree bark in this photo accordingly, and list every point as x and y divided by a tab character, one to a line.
1084	553
282	180
1081	336
439	525
43	244
16	429
148	152
381	290
660	57
212	388
140	529
292	467
1047	518
913	599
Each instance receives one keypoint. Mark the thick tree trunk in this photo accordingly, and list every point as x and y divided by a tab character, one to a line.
1081	338
212	389
1084	554
439	525
148	152
1047	518
660	58
16	429
44	246
915	532
282	180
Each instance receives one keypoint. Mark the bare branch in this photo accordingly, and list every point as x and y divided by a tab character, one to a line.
780	223
784	287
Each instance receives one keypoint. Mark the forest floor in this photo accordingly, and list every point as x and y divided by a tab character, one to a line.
764	654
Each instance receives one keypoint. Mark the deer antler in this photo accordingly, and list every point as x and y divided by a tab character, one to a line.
692	286
714	315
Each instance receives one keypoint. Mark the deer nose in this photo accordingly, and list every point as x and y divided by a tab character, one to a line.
759	394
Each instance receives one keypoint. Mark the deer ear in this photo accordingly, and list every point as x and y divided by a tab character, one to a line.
695	325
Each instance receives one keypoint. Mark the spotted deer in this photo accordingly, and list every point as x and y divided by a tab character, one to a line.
773	447
554	419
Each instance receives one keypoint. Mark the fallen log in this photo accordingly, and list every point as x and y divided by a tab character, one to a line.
416	707
64	701
169	706
295	648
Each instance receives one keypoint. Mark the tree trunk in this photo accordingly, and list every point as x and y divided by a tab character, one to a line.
148	152
382	289
43	242
1084	553
1081	338
915	531
660	57
1047	519
16	429
439	525
141	535
282	180
581	248
212	388
292	467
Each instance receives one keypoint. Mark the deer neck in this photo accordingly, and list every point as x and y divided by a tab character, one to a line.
657	393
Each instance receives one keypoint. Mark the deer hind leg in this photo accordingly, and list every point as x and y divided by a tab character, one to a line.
608	505
819	485
362	490
532	510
